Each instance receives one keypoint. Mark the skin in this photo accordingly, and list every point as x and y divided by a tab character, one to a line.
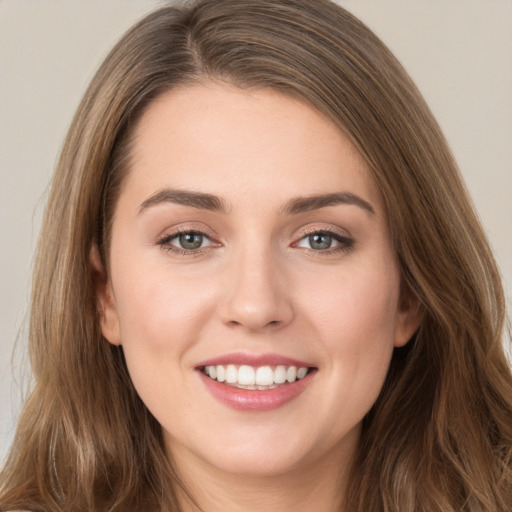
257	285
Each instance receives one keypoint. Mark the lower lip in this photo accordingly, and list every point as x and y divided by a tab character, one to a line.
255	400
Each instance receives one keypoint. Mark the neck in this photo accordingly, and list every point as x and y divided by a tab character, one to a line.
317	485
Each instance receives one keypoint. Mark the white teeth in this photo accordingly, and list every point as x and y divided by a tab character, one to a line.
291	374
280	375
246	375
262	377
301	373
221	373
231	374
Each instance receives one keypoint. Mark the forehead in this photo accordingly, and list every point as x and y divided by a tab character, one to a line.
217	138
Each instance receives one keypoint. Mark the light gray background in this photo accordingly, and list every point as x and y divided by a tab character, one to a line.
459	52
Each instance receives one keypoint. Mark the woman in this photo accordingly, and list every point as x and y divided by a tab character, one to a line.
261	284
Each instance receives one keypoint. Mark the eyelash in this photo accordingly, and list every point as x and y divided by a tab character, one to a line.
345	243
165	242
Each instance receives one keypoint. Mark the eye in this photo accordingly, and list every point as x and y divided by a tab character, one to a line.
318	241
189	240
185	242
325	241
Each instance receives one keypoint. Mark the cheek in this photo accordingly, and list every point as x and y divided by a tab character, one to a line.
159	310
355	320
360	304
161	314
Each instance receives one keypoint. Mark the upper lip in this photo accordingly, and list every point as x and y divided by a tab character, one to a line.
255	360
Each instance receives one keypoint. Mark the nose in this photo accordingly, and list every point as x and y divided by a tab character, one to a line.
257	293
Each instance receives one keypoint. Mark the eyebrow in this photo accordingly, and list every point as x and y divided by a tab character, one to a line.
198	200
203	201
315	202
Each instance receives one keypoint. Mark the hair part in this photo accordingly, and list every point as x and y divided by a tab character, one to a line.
439	436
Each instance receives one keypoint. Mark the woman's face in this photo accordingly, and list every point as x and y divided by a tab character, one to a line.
250	246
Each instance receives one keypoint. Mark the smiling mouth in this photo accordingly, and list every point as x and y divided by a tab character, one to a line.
262	378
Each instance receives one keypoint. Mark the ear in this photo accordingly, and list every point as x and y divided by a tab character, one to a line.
410	315
105	301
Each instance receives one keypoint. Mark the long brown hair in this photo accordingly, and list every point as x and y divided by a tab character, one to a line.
439	436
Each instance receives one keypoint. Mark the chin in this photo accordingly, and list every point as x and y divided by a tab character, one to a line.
253	451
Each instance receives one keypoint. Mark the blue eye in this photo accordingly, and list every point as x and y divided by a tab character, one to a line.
320	241
186	241
190	240
324	241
